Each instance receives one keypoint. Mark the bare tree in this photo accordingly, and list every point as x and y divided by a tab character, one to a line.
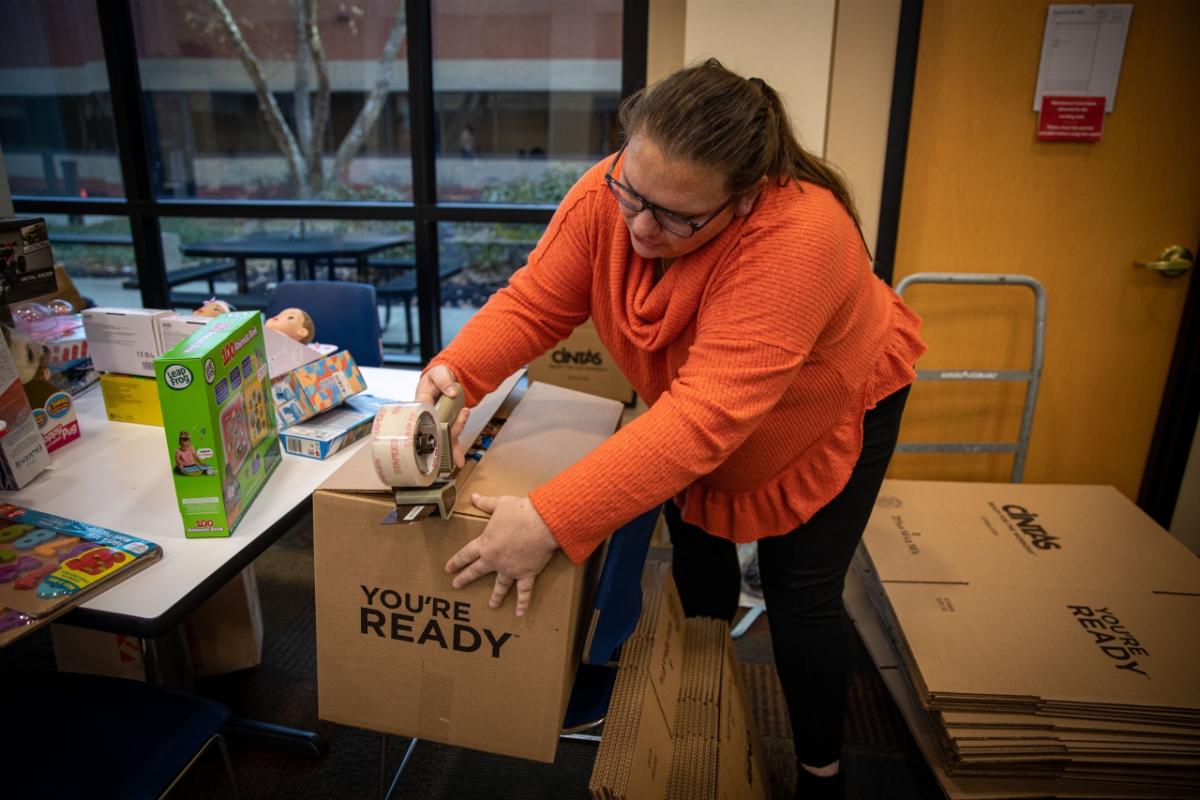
302	147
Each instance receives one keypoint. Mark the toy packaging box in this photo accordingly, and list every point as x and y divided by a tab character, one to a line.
219	420
131	398
23	452
124	339
48	564
332	431
315	387
26	261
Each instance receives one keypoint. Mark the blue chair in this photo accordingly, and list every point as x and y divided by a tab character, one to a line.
344	313
127	739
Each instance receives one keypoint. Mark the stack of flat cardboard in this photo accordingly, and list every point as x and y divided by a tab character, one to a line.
678	725
1041	640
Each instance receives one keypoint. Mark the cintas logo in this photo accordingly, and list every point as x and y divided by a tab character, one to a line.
426	620
1026	522
564	356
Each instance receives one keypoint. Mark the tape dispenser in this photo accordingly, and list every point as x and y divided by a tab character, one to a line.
413	454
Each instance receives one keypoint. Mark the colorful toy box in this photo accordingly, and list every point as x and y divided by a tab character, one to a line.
131	398
332	431
315	387
219	421
49	564
23	452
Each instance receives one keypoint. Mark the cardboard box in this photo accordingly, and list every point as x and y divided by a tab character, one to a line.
285	354
54	413
97	652
318	386
399	650
582	363
26	260
219	421
709	748
23	452
332	431
124	339
174	328
225	634
131	398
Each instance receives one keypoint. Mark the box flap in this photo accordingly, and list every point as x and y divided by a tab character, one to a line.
548	431
358	473
285	354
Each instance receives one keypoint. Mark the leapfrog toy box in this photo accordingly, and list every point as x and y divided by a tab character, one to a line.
222	438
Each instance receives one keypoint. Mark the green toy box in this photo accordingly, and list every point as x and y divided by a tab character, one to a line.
219	420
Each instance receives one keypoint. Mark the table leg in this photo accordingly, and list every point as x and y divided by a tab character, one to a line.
279	270
243	281
361	261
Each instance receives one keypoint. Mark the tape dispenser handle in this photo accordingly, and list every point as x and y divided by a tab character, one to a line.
447	410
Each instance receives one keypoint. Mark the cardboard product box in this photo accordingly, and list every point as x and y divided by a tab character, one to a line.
219	421
285	354
174	328
26	261
54	563
124	339
225	634
318	386
582	363
399	650
131	398
23	452
332	431
54	413
97	652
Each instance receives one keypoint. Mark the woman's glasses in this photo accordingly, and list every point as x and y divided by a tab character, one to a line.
672	223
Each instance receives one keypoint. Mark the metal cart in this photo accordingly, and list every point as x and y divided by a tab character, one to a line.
1031	376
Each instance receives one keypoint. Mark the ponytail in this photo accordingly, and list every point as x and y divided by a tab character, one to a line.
712	116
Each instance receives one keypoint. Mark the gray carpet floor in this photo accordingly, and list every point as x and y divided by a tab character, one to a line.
880	758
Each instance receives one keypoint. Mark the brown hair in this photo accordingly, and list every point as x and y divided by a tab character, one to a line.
711	116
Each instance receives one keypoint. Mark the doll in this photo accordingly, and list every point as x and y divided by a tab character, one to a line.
294	323
213	307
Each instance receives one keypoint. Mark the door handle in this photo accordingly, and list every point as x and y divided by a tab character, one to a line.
1174	261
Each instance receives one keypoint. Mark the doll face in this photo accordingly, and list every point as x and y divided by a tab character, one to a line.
291	322
212	308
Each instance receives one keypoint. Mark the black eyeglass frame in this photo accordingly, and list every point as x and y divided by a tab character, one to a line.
656	209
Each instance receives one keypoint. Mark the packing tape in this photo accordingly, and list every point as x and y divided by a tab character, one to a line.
405	445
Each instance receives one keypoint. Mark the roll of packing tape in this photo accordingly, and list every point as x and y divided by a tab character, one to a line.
405	444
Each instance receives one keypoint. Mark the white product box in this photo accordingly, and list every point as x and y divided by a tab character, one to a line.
124	339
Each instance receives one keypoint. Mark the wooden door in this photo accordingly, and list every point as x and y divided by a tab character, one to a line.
981	194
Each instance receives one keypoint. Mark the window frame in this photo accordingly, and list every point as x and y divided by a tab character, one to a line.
144	209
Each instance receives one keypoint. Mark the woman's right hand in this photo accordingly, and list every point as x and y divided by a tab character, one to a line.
434	383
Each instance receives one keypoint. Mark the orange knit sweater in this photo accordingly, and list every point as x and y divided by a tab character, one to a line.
758	355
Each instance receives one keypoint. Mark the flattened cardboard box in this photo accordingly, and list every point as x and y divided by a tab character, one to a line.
399	650
1023	535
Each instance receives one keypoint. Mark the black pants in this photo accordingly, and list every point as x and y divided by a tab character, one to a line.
803	573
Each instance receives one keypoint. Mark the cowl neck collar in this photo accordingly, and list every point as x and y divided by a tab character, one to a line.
654	311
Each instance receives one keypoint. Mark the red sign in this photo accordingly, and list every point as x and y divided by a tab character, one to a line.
1071	119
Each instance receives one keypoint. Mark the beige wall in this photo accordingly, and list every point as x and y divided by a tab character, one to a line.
831	59
787	43
860	95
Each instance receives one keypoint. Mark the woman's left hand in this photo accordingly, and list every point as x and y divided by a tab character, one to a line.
516	545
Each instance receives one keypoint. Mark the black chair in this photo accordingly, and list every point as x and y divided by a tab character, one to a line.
104	737
343	312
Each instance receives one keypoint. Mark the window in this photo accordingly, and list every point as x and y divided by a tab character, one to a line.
454	126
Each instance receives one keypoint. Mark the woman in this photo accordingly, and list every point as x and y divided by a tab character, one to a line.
725	272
